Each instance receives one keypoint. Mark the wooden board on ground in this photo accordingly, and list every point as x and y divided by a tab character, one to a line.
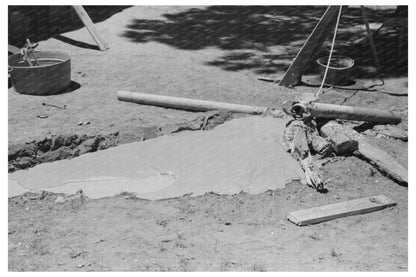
382	160
86	20
294	74
333	211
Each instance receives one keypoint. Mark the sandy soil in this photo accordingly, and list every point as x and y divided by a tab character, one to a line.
151	52
213	232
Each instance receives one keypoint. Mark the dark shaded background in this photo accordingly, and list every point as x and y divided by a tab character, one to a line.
245	33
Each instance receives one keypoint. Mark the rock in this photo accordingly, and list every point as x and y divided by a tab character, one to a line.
150	132
83	137
45	144
75	140
76	153
98	241
60	154
35	195
28	150
56	142
66	141
90	145
24	162
14	151
60	200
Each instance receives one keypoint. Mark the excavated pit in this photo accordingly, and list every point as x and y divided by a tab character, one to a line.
67	146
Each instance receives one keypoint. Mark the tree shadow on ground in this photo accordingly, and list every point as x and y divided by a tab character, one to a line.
265	39
42	22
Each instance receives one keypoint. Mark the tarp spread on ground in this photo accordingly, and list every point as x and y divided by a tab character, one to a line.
243	154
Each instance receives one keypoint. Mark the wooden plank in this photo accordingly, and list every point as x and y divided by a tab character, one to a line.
86	20
294	74
379	158
13	49
333	211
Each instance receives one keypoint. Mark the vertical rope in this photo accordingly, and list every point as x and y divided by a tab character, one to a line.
319	92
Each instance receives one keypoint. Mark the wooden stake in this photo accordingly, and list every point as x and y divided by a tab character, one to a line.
86	20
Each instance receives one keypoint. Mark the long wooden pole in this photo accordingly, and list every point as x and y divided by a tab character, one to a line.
186	103
86	20
370	38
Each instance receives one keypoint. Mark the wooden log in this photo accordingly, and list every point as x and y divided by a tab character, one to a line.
379	158
333	211
86	20
296	139
294	74
341	143
312	175
186	103
298	136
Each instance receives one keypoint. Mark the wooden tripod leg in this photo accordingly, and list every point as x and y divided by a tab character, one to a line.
86	20
294	74
13	49
370	38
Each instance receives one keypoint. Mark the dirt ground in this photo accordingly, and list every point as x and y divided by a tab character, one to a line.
183	51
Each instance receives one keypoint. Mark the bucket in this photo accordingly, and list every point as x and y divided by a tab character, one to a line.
52	75
339	71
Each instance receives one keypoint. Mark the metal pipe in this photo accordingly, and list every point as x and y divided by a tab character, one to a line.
352	113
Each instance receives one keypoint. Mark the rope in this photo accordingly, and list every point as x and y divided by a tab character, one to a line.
319	92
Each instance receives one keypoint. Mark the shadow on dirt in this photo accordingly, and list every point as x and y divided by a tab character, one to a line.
73	86
76	43
265	39
42	22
